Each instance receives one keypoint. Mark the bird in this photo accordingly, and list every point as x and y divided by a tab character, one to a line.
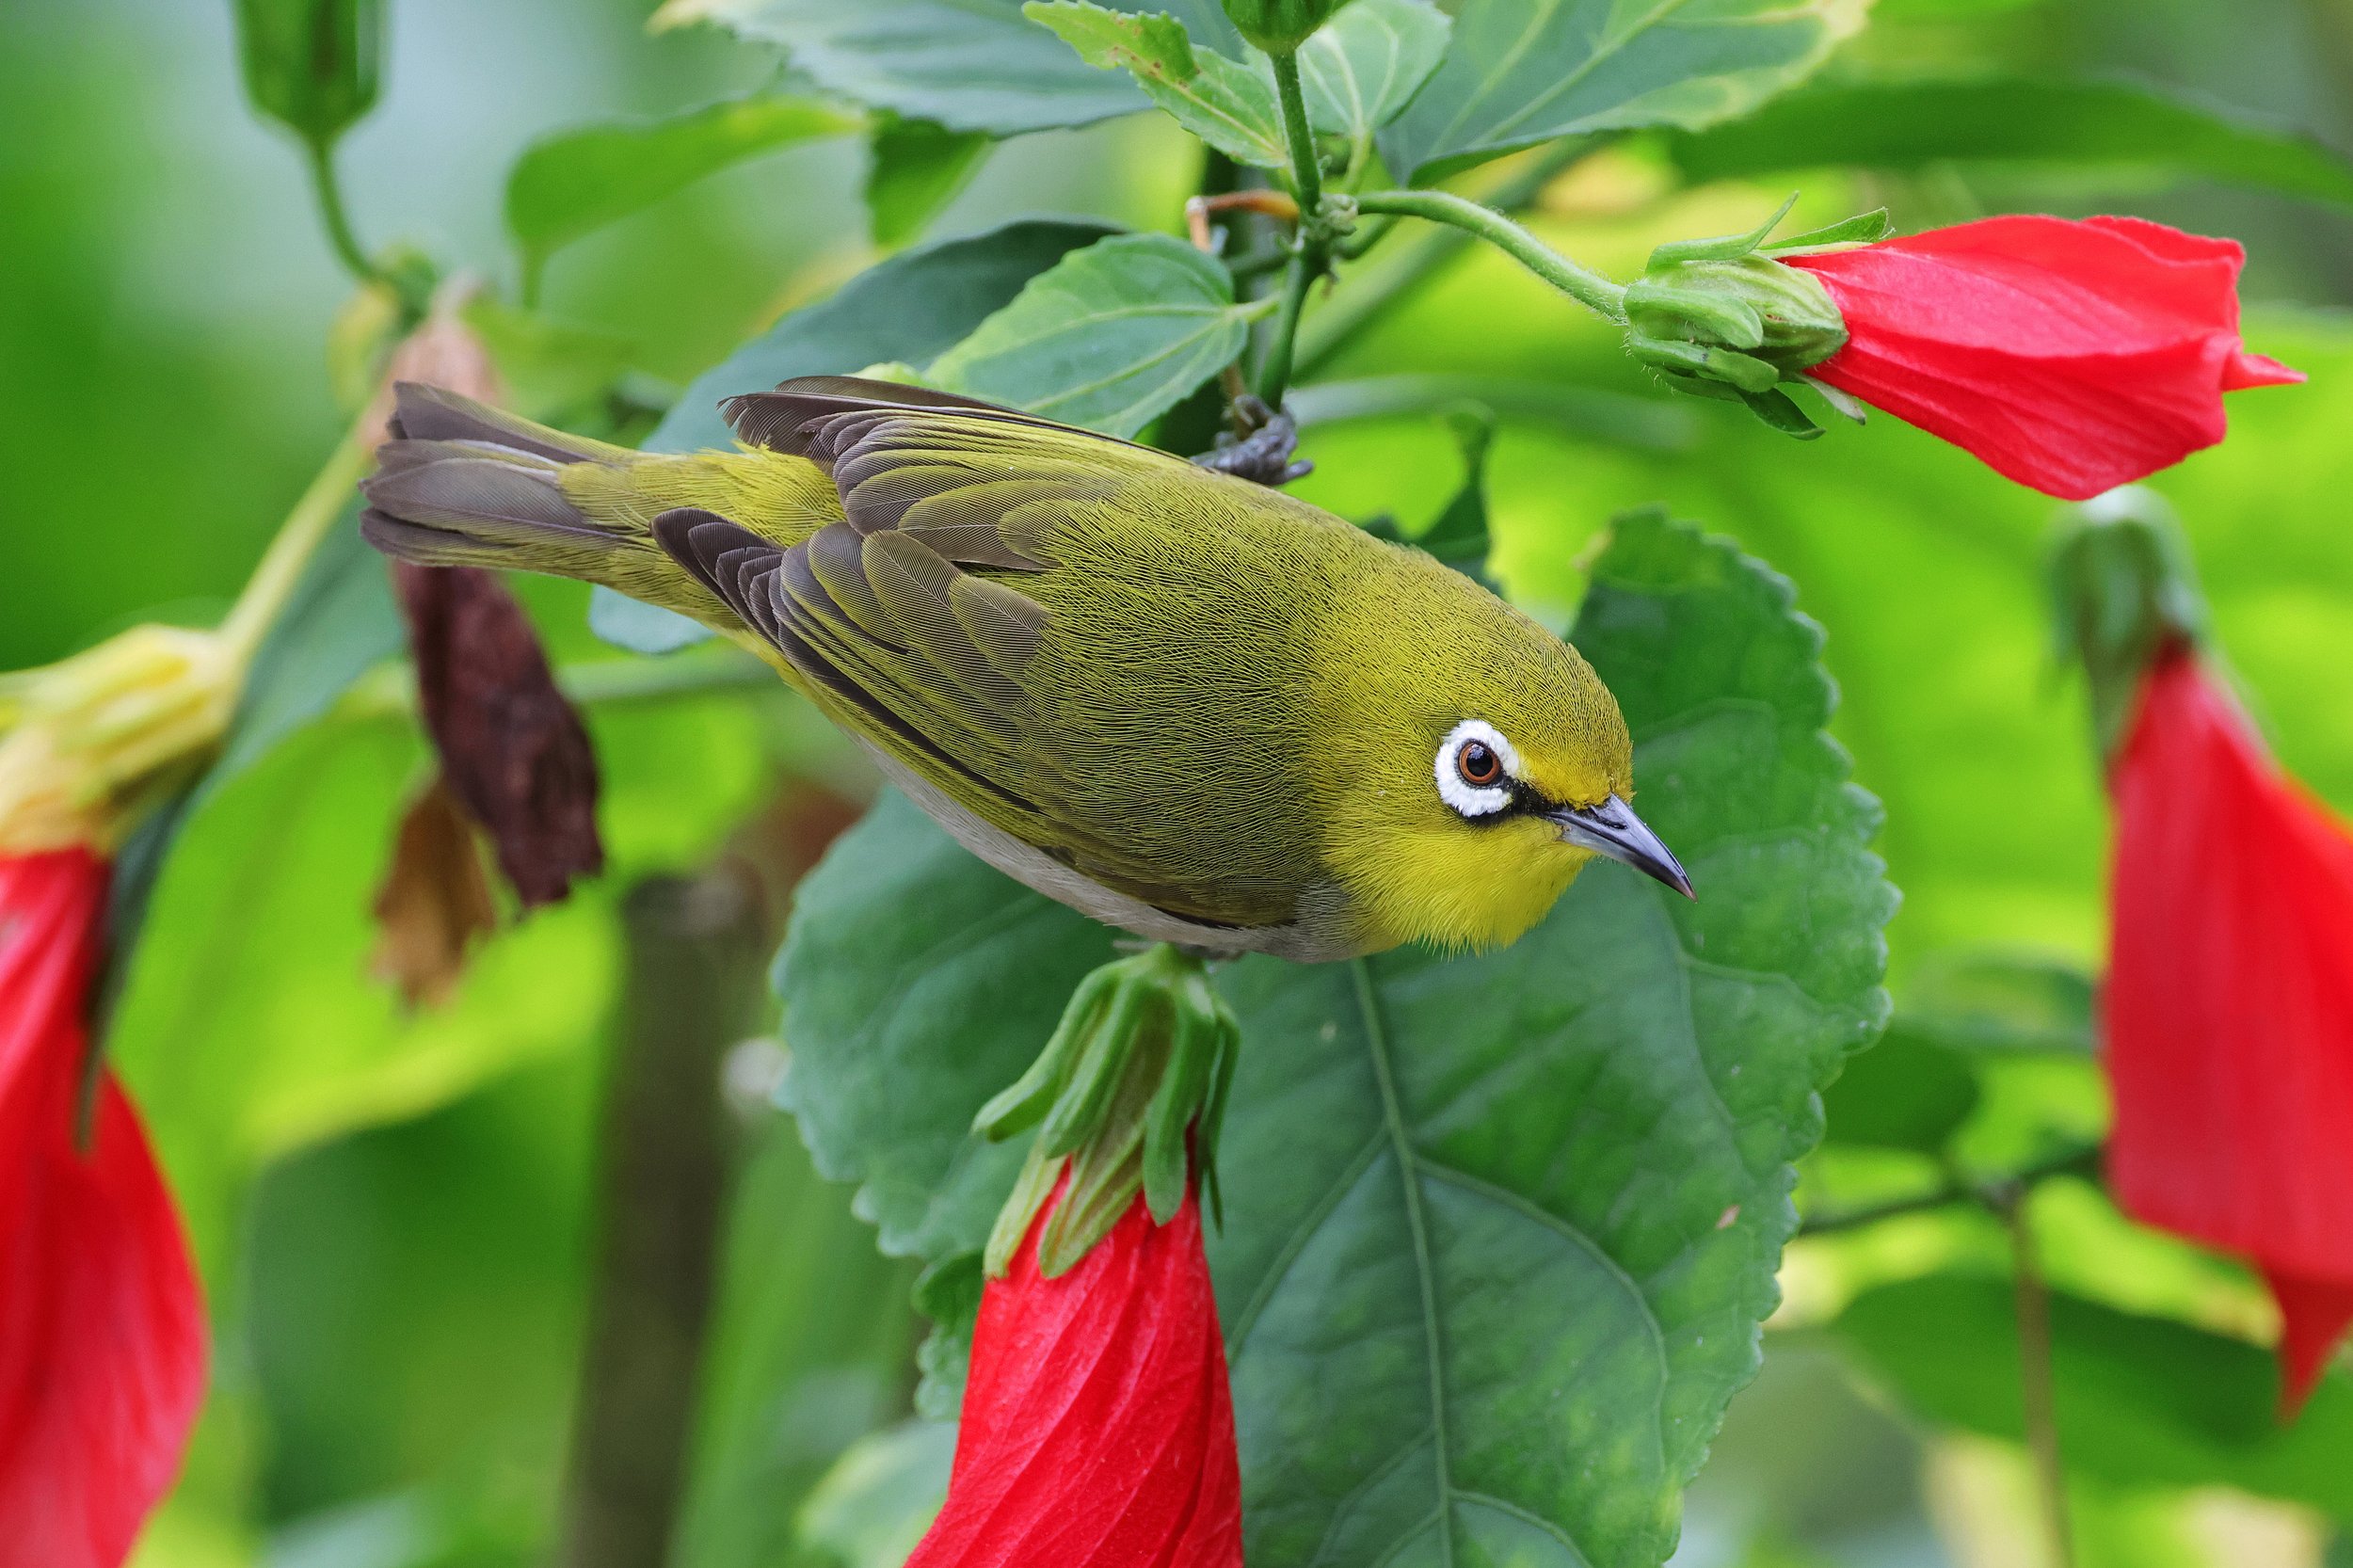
1192	707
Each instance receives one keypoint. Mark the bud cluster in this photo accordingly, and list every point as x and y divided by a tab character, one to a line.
1725	318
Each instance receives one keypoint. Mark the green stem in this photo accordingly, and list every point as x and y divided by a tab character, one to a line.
1313	253
1307	168
2083	1160
338	221
1371	292
2038	1404
1588	288
389	690
281	566
1275	371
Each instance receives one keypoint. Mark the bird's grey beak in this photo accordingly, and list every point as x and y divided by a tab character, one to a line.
1611	829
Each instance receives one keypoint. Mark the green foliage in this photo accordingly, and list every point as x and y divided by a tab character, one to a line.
1223	101
314	66
1913	125
1564	1287
908	308
915	168
2141	1401
970	65
811	1333
1361	69
1279	27
1515	75
1110	337
576	182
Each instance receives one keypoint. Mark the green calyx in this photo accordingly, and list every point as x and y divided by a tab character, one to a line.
2122	591
1725	318
1129	1094
1279	27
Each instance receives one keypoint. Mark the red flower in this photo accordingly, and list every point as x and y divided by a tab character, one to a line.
1098	1426
2230	1006
2070	357
101	1332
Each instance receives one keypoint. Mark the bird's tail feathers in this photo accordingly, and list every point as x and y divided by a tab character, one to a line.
464	483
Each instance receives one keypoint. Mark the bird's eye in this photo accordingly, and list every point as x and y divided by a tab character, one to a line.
1475	768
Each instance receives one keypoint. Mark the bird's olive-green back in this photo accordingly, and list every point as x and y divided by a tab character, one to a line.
1179	684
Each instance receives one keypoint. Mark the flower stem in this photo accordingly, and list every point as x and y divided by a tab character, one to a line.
1586	287
281	566
2034	1377
2083	1160
1312	254
337	222
1372	291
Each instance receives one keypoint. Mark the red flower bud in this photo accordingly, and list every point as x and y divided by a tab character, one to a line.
2071	356
1098	1426
101	1331
2229	1007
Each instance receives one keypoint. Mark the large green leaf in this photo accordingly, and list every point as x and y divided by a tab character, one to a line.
1499	1230
1110	337
1521	72
313	65
1910	125
1221	100
914	168
1360	68
970	65
2141	1401
910	307
576	182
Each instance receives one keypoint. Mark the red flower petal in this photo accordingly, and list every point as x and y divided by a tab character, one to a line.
2229	1007
2072	357
101	1331
2314	1315
1098	1425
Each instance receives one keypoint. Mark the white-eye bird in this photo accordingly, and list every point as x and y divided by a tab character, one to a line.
1185	704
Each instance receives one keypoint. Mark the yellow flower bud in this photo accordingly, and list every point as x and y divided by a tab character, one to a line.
88	745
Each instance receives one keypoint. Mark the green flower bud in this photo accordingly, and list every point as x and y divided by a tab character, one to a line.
1750	304
2122	590
1279	27
1130	1094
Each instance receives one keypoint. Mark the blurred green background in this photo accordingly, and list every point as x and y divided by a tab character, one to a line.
393	1212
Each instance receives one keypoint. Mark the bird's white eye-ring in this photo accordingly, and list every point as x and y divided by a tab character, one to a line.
1475	769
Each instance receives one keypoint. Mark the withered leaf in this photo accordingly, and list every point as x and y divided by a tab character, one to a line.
435	900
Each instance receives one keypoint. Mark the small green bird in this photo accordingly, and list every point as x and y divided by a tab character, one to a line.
1179	702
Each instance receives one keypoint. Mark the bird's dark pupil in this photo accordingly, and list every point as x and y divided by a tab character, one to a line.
1479	763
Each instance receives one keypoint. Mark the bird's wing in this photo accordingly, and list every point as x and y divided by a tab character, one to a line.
910	616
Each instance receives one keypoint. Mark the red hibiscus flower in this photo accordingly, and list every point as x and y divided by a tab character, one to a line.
101	1332
2071	356
2229	1007
1098	1426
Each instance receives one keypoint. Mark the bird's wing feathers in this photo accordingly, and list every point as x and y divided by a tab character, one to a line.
909	616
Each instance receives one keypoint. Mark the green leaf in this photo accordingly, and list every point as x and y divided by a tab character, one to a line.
339	620
1910	125
314	66
879	1498
910	307
1521	72
2140	1401
1360	68
970	65
1499	1229
1223	101
915	169
1110	337
803	1341
576	182
1980	1001
1907	1092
